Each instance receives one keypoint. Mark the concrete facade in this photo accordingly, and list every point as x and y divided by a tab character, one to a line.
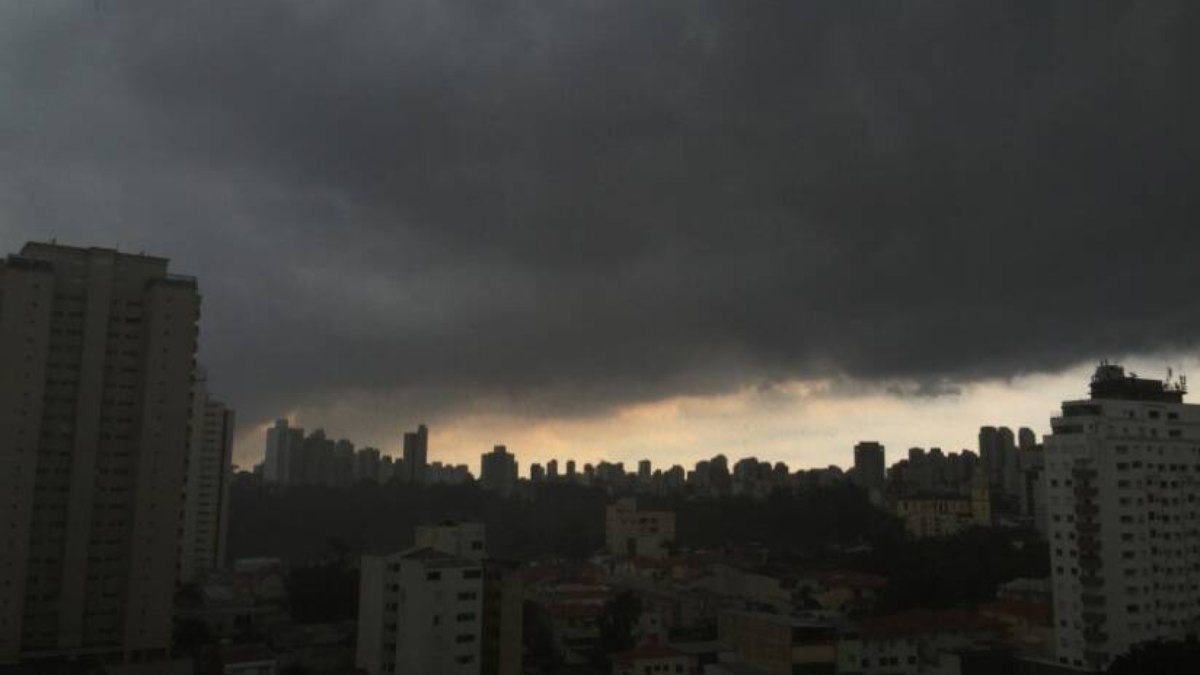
1122	474
96	407
638	534
420	611
205	518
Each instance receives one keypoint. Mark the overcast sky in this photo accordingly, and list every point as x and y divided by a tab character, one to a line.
624	227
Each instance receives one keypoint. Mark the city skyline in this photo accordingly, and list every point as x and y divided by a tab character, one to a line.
950	422
616	204
591	337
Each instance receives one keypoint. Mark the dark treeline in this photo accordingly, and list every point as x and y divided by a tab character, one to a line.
957	571
305	524
321	531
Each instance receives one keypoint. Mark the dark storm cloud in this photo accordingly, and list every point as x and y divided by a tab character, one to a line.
567	204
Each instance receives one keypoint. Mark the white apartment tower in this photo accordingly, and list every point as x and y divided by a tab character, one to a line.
1122	480
420	611
206	491
96	360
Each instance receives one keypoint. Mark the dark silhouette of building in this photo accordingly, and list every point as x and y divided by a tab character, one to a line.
869	463
498	471
416	455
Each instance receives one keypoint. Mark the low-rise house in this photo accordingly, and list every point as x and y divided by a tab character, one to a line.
908	643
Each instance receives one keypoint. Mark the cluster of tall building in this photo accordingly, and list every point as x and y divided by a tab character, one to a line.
293	458
114	459
711	477
937	493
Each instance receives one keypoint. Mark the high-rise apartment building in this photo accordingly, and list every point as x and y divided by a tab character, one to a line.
1122	471
283	446
416	455
1026	439
645	470
341	473
208	475
98	352
989	454
366	465
498	471
869	465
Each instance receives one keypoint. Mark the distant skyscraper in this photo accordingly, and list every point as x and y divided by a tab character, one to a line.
1122	475
283	448
416	454
552	470
644	471
206	492
95	393
342	473
1026	439
570	469
312	464
989	454
366	465
498	471
869	465
1010	462
536	473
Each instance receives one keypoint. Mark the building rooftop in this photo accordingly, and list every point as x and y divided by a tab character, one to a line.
431	557
33	249
1111	382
